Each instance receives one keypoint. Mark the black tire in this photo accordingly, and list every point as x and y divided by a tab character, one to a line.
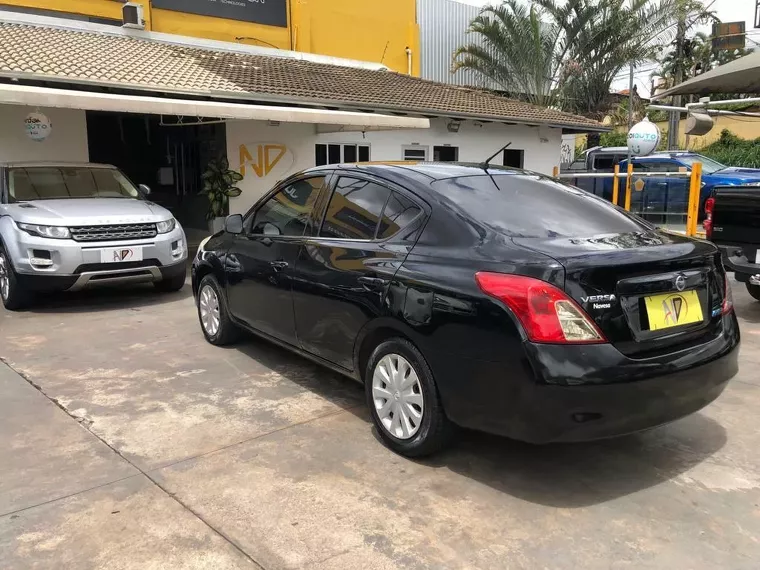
16	298
435	430
754	290
172	284
228	332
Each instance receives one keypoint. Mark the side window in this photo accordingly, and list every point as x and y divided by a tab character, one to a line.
286	213
399	213
604	162
354	210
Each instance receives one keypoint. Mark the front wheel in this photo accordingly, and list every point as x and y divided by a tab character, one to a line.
215	320
13	296
754	290
404	401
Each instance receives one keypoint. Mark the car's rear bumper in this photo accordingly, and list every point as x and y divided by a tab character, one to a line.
739	259
581	393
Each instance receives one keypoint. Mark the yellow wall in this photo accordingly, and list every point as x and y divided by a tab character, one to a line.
354	29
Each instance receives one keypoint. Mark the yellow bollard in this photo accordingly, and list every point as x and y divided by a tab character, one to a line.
695	190
628	187
556	172
616	185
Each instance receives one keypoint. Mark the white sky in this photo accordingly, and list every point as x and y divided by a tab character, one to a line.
727	11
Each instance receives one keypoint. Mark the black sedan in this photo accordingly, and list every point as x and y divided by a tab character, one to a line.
477	296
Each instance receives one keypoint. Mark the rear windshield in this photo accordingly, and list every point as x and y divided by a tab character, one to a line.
54	183
533	206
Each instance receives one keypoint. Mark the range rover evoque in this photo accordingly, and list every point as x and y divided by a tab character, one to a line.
66	226
471	295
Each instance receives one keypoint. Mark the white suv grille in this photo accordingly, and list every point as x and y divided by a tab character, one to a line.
113	233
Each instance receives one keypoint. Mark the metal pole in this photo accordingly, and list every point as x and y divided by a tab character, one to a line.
630	101
616	185
675	118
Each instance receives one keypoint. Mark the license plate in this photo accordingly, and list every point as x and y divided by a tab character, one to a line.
757	257
673	310
121	254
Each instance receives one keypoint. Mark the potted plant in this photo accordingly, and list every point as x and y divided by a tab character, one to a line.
219	186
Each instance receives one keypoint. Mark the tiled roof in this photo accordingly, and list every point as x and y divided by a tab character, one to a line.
133	62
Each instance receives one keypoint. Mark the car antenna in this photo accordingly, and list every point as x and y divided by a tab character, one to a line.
486	163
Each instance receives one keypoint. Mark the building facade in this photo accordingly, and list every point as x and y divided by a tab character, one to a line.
163	107
381	32
444	28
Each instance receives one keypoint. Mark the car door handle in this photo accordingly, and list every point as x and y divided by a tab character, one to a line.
373	283
279	265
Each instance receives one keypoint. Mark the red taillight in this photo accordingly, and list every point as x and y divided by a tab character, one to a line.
728	298
708	223
547	314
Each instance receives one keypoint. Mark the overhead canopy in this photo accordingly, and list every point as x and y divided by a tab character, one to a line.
91	101
739	76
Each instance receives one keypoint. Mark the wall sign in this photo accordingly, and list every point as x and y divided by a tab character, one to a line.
38	126
269	12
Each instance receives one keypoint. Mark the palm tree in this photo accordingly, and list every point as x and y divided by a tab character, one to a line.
518	51
567	52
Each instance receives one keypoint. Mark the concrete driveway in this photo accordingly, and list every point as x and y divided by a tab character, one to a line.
126	441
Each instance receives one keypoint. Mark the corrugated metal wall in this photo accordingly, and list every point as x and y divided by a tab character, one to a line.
443	29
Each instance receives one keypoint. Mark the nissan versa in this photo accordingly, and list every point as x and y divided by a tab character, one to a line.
69	226
477	296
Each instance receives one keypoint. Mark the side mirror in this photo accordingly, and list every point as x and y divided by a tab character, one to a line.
233	224
145	189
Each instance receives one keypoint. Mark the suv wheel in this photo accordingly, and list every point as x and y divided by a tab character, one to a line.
215	320
754	290
403	400
13	297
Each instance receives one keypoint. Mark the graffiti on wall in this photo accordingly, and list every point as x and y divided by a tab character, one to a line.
264	158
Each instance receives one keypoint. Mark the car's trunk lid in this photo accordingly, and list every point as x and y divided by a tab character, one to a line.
621	280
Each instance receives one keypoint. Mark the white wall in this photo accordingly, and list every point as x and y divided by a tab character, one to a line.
475	142
67	140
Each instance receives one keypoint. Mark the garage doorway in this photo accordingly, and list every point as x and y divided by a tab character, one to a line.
169	159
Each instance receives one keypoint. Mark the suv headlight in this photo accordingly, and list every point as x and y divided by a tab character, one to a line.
53	232
167	226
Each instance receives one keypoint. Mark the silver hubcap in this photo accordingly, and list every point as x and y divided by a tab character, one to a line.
208	306
397	393
5	281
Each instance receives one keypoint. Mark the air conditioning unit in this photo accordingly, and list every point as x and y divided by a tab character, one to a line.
132	16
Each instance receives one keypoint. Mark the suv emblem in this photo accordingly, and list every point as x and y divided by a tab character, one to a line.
680	283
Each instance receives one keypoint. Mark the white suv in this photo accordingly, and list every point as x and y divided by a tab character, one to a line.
70	226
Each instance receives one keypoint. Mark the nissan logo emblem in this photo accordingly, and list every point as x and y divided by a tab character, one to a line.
680	283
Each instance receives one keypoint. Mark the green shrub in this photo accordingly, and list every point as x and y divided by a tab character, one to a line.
734	151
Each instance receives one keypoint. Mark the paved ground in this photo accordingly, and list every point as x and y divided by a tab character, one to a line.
131	443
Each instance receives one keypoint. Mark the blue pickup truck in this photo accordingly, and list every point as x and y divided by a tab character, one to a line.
661	197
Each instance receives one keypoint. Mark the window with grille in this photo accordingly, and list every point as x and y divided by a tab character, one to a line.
336	153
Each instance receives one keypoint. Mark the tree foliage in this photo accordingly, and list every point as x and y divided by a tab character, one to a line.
567	53
732	150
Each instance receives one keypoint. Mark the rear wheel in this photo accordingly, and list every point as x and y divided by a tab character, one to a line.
404	401
171	284
13	296
754	290
215	320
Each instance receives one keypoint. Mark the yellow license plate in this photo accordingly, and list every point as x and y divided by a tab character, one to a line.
673	310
